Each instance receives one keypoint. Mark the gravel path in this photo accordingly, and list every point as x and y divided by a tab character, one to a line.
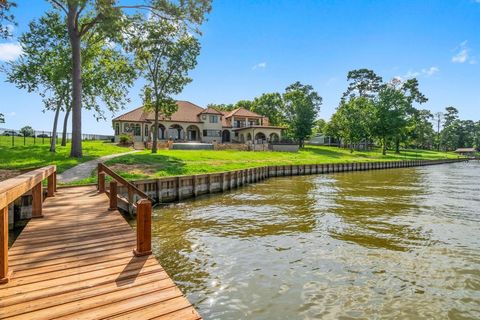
84	170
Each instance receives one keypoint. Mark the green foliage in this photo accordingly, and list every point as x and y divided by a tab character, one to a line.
112	20
363	83
269	105
2	118
126	139
301	107
27	131
6	18
164	53
351	122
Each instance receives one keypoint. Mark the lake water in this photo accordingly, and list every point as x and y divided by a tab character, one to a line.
399	243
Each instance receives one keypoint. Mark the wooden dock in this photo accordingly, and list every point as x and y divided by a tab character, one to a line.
76	262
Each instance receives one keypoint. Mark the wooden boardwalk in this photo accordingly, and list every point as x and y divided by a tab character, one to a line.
77	263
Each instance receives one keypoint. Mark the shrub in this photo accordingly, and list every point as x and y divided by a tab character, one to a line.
125	139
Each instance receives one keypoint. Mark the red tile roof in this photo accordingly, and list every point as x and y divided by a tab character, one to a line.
211	110
242	112
187	112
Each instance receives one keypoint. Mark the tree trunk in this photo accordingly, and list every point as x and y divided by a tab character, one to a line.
155	135
65	127
384	146
53	141
397	145
74	37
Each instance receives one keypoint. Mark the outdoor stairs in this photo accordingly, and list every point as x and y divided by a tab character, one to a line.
139	145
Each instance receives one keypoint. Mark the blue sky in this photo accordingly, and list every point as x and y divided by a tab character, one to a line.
251	47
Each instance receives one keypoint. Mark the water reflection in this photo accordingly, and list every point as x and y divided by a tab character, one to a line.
400	243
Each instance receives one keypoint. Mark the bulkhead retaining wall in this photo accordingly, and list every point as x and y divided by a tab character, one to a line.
170	189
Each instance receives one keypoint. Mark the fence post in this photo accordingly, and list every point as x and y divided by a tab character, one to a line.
51	185
37	198
101	182
55	181
113	195
4	274
144	228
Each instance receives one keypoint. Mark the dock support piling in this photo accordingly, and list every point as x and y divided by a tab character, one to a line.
4	272
113	195
51	186
101	182
37	199
144	228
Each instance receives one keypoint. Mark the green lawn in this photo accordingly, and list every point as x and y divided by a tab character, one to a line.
144	165
33	156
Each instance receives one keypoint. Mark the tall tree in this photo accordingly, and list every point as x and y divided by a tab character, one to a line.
363	83
270	105
388	114
301	107
45	67
6	18
352	120
420	130
109	17
2	118
438	119
165	52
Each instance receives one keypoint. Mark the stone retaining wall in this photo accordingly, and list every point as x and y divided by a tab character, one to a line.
172	189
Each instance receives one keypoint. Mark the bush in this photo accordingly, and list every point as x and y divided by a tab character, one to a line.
125	139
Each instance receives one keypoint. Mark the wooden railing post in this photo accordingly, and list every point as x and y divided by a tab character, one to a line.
101	182
144	228
113	195
37	199
4	273
55	181
51	185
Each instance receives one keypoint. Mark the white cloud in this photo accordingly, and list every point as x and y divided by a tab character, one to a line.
426	72
10	51
463	54
430	71
261	65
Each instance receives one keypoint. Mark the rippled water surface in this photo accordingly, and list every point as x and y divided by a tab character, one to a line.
400	243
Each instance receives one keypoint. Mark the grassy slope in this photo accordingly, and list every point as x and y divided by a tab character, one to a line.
34	156
145	165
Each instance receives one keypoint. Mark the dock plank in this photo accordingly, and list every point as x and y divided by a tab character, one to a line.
77	263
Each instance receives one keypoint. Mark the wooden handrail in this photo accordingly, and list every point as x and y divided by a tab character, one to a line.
144	207
12	189
103	168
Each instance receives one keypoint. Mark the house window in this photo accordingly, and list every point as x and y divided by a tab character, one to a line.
146	130
212	133
127	127
213	119
117	129
138	130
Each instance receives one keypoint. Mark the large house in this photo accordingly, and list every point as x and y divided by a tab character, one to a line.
193	123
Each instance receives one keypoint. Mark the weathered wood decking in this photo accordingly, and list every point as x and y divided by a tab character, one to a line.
77	263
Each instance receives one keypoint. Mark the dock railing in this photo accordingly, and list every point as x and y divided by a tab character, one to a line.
12	189
143	206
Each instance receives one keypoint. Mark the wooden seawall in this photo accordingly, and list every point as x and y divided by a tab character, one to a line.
172	189
76	262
